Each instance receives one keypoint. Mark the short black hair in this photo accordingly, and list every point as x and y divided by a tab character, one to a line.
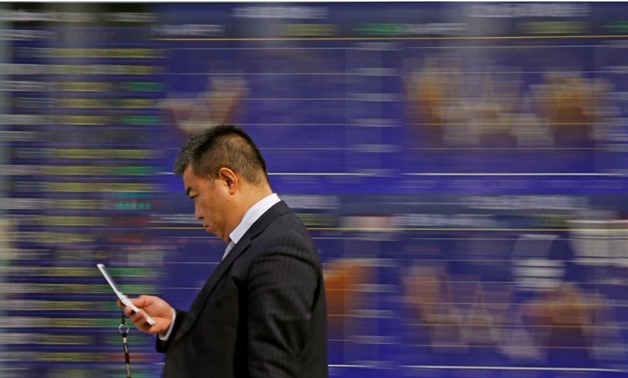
222	146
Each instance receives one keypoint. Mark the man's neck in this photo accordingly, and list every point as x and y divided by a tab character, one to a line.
254	196
248	200
251	215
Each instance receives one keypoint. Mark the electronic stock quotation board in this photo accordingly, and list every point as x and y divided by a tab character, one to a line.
461	167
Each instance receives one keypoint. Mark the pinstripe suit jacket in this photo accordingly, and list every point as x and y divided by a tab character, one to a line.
262	312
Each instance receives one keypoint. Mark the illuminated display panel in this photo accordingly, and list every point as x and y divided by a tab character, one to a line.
460	166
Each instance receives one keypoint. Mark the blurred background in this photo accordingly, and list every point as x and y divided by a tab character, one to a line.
461	166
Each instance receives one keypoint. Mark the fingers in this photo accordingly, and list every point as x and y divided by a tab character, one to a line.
139	319
159	310
134	316
126	310
140	301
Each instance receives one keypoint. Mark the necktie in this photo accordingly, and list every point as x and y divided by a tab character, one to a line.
229	247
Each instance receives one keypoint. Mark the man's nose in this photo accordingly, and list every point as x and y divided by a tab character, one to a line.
197	213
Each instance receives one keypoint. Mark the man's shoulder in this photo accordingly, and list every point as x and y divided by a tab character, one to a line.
279	225
287	221
287	226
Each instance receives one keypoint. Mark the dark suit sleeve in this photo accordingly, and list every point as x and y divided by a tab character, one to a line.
162	346
283	282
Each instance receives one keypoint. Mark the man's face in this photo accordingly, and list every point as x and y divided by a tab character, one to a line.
211	202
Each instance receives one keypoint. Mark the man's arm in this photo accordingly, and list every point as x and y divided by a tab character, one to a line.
281	291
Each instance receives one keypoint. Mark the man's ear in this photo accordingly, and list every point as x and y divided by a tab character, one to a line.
230	178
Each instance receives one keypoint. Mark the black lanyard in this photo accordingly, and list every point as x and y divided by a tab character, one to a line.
124	330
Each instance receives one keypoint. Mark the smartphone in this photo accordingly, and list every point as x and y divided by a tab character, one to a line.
123	298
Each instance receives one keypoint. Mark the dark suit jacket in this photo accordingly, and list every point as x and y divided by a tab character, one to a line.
262	312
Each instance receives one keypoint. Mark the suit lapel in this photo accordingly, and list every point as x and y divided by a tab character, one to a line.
201	299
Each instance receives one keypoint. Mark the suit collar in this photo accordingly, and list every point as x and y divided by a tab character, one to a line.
201	299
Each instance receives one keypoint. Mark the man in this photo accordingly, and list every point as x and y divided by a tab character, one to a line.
262	312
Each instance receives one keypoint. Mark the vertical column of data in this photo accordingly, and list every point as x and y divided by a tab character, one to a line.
4	245
81	171
360	282
612	96
374	108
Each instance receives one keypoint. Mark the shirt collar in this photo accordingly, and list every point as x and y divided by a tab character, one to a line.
252	215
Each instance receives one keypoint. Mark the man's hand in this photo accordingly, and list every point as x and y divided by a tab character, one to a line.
158	309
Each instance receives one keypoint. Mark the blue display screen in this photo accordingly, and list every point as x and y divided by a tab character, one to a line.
461	167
